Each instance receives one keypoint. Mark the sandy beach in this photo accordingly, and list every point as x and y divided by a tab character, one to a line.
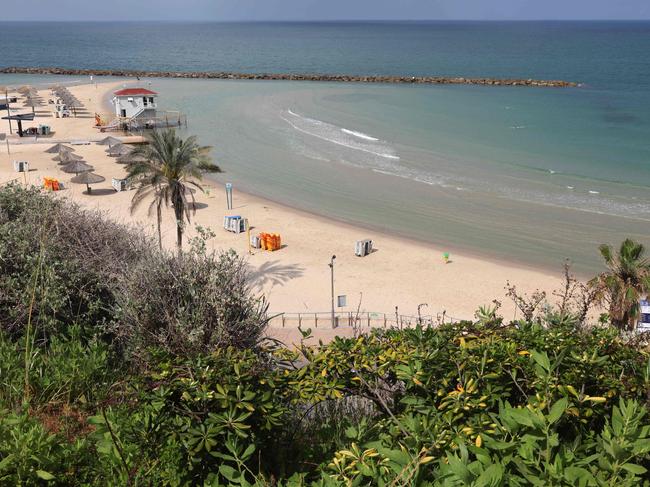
295	279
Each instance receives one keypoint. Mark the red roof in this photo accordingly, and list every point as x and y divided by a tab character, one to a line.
134	91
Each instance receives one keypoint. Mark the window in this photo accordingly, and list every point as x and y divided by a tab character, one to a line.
151	100
144	100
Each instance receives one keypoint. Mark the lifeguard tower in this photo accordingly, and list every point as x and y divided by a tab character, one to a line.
131	103
136	109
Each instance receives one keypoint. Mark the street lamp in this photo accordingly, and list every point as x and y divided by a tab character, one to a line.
331	264
420	306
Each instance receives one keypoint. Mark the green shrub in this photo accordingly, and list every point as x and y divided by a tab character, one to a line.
59	262
61	265
189	305
199	400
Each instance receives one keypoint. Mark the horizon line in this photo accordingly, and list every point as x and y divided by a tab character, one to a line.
254	21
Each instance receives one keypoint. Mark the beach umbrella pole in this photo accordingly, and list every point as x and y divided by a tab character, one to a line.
8	114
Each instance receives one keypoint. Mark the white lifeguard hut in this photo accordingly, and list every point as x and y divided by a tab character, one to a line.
135	103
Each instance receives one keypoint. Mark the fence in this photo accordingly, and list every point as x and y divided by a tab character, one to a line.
356	320
140	124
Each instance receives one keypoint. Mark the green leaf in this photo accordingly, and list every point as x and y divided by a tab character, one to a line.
229	473
491	477
248	452
634	468
6	461
557	410
541	359
459	469
42	474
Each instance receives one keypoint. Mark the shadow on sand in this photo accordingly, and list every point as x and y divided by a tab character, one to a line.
274	273
99	192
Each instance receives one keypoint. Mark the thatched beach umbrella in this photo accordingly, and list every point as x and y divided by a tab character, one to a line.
65	157
77	167
109	141
119	150
88	178
58	148
130	158
32	103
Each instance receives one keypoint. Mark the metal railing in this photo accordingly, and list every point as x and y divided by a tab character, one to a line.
140	124
353	319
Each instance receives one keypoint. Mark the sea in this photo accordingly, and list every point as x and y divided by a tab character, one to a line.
531	175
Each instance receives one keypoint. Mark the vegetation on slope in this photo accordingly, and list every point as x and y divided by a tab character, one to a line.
124	365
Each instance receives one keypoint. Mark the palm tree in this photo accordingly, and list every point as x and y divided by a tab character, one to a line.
166	168
625	283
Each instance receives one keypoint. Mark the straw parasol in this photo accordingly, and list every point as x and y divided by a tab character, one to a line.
119	150
32	103
58	148
88	178
77	167
129	158
65	157
109	141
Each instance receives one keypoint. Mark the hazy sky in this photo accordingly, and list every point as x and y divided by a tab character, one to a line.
321	9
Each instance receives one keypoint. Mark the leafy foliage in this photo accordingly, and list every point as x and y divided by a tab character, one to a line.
188	306
159	376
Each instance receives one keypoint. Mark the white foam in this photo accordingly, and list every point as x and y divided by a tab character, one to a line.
327	132
361	135
594	192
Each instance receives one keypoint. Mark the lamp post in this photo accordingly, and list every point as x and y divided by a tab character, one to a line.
331	264
420	306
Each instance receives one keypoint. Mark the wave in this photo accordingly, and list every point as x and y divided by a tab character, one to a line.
361	135
332	133
588	200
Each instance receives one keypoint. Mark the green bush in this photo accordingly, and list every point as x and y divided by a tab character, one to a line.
58	264
124	365
188	306
61	266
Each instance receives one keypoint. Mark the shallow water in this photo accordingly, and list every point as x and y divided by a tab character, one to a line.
535	175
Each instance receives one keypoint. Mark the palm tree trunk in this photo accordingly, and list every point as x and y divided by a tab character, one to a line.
178	210
159	210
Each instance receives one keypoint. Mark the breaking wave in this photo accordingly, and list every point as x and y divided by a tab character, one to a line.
361	135
340	136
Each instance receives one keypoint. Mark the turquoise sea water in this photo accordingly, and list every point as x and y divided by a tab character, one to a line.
529	174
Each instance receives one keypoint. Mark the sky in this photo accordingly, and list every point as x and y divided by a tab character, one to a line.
257	10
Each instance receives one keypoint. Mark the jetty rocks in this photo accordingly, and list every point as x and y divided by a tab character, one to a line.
341	78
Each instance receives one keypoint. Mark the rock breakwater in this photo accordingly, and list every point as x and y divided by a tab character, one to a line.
341	78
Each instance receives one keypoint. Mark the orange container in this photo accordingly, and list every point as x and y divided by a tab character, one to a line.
270	241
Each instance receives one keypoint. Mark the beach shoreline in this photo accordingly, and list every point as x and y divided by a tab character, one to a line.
402	272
